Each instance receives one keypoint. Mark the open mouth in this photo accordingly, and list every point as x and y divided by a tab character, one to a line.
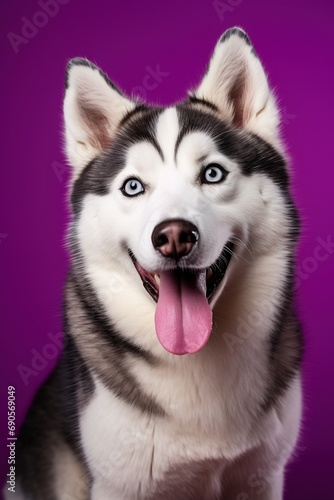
214	274
183	317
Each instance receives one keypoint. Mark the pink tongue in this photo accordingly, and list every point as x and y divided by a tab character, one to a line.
183	318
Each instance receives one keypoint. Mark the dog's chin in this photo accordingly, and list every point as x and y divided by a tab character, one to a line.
214	273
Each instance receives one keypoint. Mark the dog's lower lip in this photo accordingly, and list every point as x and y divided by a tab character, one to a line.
148	279
216	271
214	274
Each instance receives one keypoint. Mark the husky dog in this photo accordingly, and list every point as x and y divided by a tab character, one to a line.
180	372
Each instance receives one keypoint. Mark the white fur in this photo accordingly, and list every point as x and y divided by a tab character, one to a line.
149	448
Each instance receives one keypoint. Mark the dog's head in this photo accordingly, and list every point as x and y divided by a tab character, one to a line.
170	197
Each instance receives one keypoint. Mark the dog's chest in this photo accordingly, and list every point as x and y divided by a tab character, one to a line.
125	447
117	439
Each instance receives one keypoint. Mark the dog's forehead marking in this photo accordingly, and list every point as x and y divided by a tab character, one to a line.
167	131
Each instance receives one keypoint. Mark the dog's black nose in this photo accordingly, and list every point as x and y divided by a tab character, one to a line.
175	238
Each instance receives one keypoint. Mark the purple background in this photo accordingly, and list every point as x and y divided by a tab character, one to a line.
294	40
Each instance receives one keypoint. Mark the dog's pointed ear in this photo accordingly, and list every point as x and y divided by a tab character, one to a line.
93	108
236	83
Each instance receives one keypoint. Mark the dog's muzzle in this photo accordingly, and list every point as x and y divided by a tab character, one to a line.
183	317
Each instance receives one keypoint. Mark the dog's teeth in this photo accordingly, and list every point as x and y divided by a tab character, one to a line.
208	273
157	278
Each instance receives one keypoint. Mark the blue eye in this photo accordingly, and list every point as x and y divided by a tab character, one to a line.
132	187
213	173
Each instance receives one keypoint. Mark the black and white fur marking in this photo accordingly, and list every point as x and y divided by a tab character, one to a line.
120	417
